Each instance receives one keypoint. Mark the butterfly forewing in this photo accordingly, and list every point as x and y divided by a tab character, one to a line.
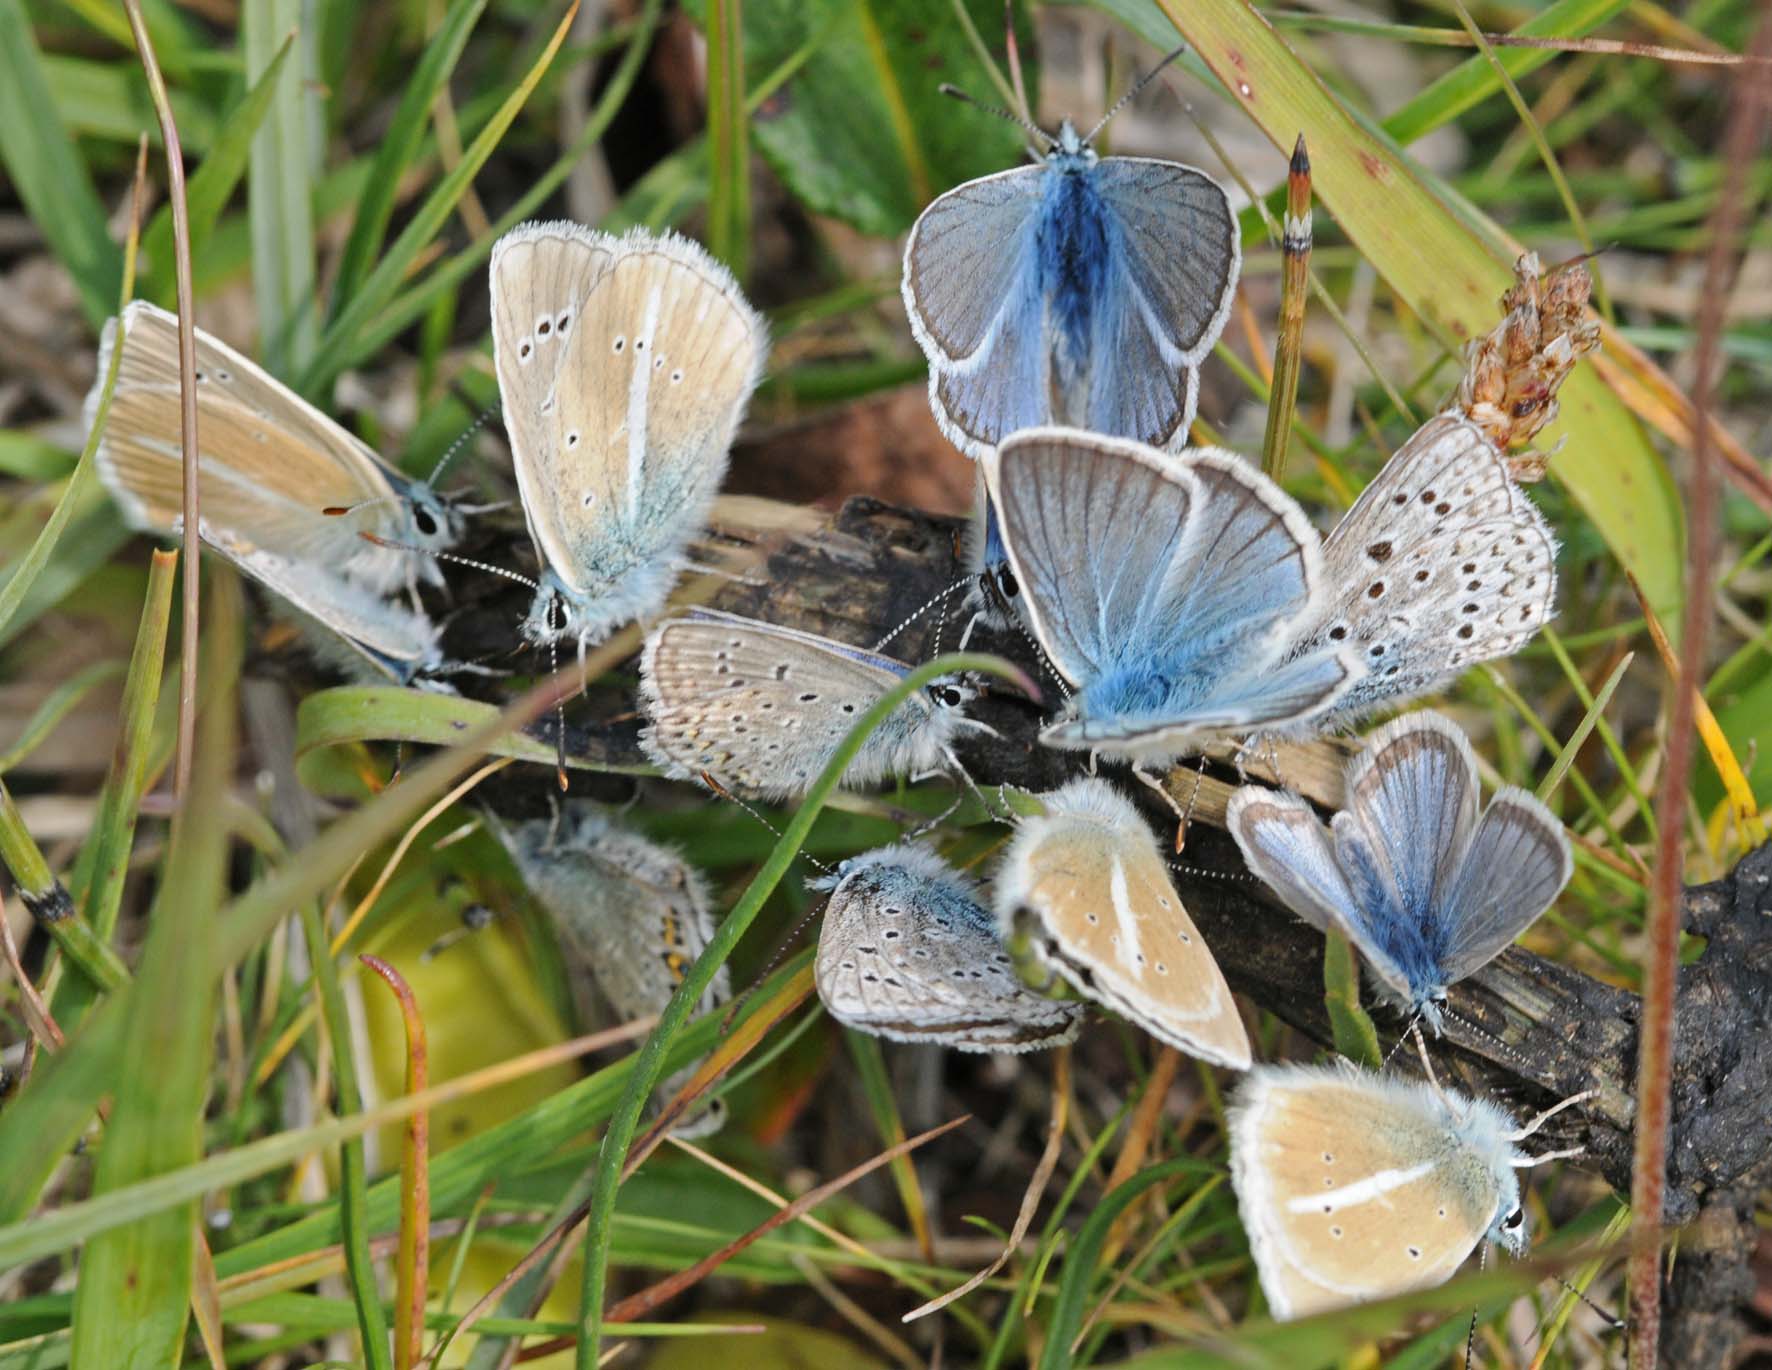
907	952
1063	498
1442	562
966	261
653	378
1086	881
1352	1190
758	707
1516	864
269	464
1412	792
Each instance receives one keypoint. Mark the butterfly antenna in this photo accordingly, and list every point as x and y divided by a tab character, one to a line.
480	421
1477	1030
451	557
707	779
1470	1337
559	712
1409	1027
1207	873
1427	1065
1132	94
918	613
473	918
1020	120
1611	1319
1551	1112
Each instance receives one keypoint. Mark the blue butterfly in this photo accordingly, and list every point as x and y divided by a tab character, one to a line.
1167	590
1080	291
1427	890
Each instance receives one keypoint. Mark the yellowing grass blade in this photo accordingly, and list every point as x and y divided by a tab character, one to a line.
1722	755
1430	254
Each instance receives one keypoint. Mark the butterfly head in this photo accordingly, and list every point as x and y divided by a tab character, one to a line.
436	522
950	694
1070	150
1508	1231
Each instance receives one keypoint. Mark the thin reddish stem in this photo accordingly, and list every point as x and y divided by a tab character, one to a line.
1655	1051
412	1268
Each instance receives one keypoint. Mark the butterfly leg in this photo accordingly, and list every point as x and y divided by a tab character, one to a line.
1183	813
1550	1113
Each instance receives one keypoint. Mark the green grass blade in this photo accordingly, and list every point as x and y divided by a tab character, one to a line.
22	574
212	183
1081	1260
47	900
649	1064
59	703
399	146
381	283
97	881
1566	758
1355	1037
353	1199
1439	267
408	308
280	187
48	173
729	143
132	1301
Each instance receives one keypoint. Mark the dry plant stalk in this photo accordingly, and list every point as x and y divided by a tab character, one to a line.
1511	376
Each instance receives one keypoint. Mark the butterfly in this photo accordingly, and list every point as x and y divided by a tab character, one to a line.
1424	887
762	708
1355	1187
908	952
270	468
1083	895
1441	563
624	365
1166	590
1083	290
633	913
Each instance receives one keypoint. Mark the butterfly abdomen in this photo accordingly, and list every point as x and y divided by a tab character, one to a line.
1072	243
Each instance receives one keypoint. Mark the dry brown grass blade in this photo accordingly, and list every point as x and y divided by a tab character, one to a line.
1030	1201
187	392
1137	1145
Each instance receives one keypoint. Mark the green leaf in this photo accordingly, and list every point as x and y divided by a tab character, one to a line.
381	283
1355	1037
211	185
48	172
97	883
400	145
110	100
862	132
132	1300
280	186
1425	247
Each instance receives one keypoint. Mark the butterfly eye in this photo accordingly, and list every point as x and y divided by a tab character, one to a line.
946	696
422	520
1006	579
1513	1220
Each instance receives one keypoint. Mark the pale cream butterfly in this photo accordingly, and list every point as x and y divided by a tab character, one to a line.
1083	897
625	365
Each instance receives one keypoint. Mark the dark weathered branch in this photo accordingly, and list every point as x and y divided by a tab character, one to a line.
1526	1030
